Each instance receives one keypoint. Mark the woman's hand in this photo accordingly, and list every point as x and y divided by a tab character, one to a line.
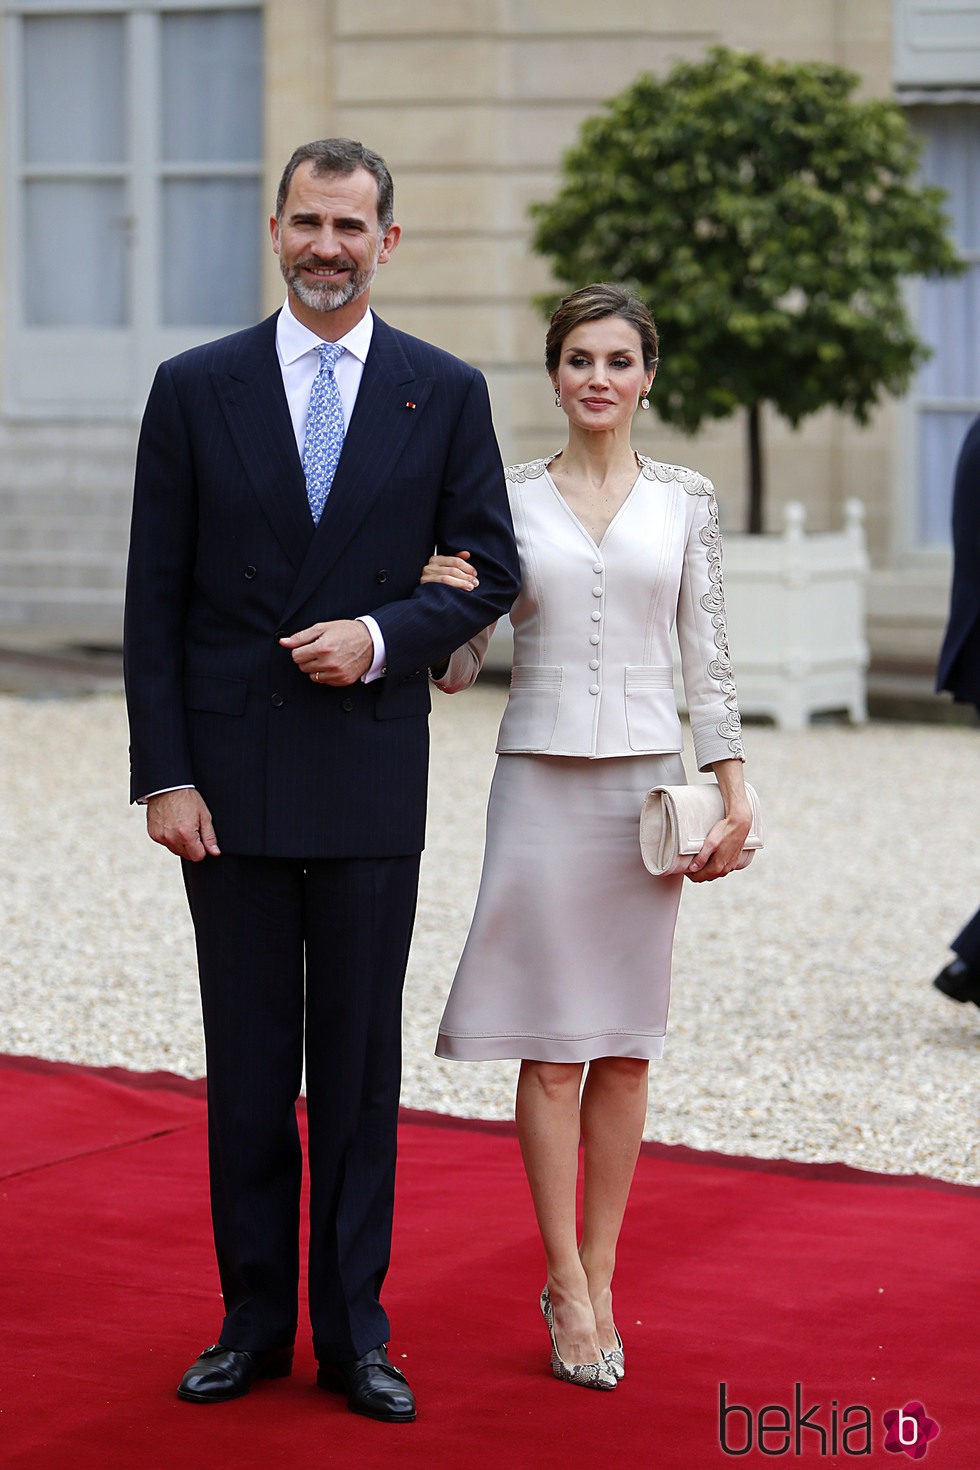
723	844
451	571
722	847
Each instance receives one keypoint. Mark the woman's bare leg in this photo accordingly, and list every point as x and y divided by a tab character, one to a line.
549	1128
613	1112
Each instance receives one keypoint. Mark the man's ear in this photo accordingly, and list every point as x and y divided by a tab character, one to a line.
389	240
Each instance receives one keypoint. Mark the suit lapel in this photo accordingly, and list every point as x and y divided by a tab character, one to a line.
253	401
380	426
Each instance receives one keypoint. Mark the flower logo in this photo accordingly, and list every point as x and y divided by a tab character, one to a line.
909	1430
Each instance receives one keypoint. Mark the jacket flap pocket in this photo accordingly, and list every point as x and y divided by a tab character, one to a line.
215	693
404	698
542	678
652	721
532	708
648	676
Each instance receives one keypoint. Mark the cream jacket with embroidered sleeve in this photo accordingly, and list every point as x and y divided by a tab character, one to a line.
593	671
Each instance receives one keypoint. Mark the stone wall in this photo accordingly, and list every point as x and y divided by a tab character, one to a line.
472	103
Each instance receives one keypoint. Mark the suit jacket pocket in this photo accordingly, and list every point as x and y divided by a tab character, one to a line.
532	708
215	693
407	697
652	721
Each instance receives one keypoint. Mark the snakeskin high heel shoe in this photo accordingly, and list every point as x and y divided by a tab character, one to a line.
586	1375
615	1359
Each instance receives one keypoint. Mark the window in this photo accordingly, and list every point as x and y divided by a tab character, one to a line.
136	208
935	43
947	391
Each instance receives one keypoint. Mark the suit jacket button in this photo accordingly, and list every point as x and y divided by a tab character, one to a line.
381	577
278	701
347	704
249	573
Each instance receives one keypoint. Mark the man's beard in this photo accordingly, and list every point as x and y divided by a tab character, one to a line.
321	295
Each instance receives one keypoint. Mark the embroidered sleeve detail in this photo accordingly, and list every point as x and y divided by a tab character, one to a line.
533	470
692	481
713	602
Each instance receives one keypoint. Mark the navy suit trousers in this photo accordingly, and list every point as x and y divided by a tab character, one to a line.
967	943
302	958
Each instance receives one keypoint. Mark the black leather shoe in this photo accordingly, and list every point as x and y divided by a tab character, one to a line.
221	1373
373	1385
959	982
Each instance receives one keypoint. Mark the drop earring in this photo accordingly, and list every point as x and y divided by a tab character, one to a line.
644	401
557	399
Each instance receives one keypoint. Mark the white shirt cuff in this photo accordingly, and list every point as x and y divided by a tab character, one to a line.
377	669
142	800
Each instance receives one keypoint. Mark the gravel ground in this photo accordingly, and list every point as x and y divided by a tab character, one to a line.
803	1024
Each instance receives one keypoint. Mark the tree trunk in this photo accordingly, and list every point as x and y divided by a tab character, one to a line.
756	488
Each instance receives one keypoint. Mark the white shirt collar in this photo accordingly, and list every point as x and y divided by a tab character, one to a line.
293	339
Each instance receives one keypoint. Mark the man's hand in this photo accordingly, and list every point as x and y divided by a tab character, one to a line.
332	653
180	821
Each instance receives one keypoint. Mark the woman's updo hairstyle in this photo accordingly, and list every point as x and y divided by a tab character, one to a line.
593	304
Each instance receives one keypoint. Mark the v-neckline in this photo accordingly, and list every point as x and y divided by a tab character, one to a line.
582	527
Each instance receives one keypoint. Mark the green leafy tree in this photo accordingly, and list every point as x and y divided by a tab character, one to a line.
768	219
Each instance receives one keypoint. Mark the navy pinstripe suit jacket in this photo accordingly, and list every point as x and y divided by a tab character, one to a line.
959	660
224	559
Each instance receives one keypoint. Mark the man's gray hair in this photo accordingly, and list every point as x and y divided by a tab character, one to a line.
342	156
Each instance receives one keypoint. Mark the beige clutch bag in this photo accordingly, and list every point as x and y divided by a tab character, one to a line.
675	820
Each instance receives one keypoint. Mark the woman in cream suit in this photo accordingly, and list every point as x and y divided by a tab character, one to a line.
567	963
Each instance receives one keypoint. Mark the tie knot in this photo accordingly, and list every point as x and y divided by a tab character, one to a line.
330	354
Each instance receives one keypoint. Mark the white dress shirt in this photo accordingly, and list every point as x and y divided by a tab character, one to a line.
296	347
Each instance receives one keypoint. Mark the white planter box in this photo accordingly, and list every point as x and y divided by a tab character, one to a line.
796	619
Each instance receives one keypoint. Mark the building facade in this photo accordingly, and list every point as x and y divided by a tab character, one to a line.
141	146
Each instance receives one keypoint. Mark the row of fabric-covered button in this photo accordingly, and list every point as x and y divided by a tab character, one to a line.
596	618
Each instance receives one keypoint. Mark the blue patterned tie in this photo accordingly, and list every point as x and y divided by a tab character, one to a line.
324	430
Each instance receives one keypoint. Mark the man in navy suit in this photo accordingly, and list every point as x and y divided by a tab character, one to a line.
959	672
276	671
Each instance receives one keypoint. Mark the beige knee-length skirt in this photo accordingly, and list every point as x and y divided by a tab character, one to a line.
568	955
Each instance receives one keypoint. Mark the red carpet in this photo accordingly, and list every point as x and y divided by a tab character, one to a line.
862	1289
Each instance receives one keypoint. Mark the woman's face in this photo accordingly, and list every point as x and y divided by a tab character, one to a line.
600	374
